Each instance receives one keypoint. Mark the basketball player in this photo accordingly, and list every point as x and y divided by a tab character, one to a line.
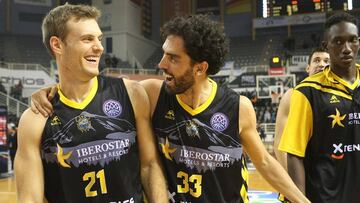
202	128
318	60
317	136
98	145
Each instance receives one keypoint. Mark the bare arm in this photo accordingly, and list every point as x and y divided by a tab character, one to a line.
281	118
40	100
269	168
296	135
152	88
152	175
29	183
296	171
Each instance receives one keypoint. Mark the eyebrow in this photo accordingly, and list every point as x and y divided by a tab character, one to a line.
172	55
91	35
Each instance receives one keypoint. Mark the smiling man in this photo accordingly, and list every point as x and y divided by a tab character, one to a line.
318	135
202	127
98	144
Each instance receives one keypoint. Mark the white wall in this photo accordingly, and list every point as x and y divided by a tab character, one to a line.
124	18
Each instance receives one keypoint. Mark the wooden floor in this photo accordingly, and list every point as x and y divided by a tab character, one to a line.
8	189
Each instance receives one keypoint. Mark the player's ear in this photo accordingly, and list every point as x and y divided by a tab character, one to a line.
55	44
201	68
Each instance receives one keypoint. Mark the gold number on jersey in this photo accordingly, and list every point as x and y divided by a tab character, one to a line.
91	177
184	187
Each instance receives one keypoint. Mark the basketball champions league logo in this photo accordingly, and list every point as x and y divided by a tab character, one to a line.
112	108
219	122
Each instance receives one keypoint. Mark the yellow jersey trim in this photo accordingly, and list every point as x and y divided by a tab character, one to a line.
342	81
203	106
332	77
325	89
85	102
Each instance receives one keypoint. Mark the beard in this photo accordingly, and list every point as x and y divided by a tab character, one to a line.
180	84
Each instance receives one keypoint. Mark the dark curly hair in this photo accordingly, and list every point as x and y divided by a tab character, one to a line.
204	39
339	17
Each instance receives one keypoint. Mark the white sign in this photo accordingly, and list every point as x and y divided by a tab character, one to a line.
301	19
30	79
299	59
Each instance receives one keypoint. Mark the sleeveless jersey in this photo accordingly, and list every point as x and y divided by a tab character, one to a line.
200	148
319	129
89	149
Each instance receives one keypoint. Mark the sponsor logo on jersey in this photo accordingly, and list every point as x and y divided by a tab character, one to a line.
354	118
200	159
170	115
112	108
334	99
219	122
166	150
340	150
131	200
83	123
96	152
337	118
55	121
61	157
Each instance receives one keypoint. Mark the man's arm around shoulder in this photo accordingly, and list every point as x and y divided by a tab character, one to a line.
29	183
152	175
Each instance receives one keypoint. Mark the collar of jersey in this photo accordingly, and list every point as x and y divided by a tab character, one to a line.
85	102
203	106
332	77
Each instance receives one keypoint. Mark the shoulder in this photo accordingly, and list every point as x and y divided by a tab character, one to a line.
245	104
151	85
152	88
317	79
29	115
31	124
285	99
134	89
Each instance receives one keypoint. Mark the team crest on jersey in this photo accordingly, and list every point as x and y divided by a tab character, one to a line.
219	122
192	129
83	123
55	121
112	108
170	115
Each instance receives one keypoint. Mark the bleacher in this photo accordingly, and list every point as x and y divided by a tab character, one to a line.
23	49
154	59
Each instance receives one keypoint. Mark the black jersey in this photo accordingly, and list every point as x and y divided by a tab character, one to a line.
89	149
200	148
319	128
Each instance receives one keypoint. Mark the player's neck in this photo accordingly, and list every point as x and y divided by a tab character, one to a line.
76	90
348	74
197	94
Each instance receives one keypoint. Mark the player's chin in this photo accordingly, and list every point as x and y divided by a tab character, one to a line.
92	72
